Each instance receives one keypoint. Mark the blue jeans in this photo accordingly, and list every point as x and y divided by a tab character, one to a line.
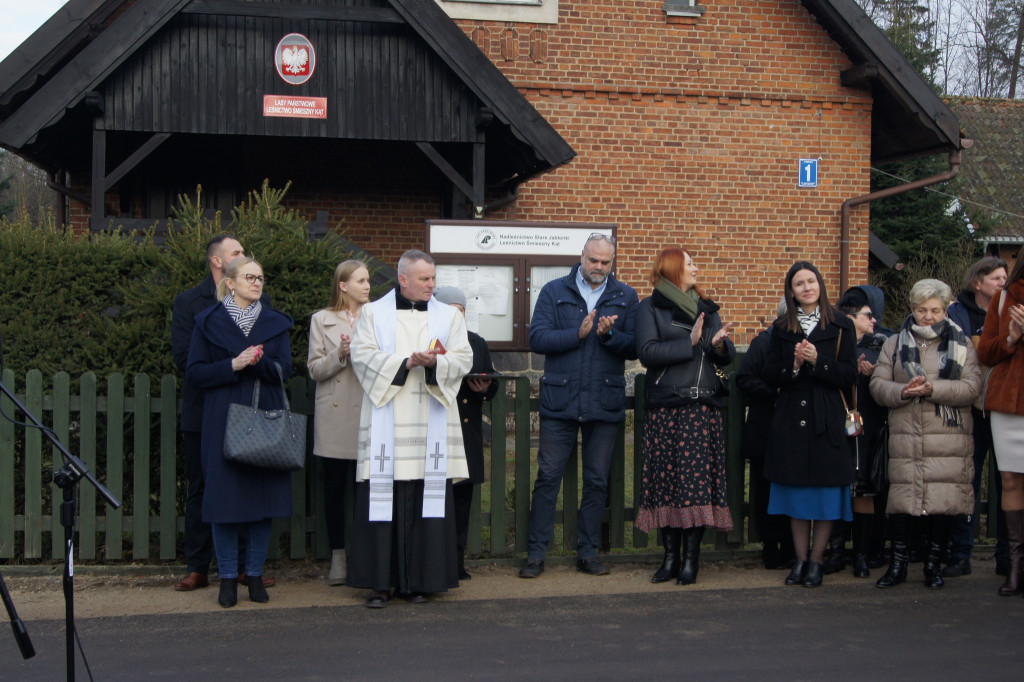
225	541
962	537
557	438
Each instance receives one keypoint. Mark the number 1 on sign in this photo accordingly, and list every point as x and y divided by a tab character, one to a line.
808	173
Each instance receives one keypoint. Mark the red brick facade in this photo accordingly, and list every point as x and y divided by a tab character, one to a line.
688	131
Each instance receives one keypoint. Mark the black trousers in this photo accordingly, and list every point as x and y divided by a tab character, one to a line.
198	536
339	475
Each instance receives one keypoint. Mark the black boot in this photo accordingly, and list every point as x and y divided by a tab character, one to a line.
257	590
897	571
862	524
938	538
228	596
691	555
836	560
670	537
1014	583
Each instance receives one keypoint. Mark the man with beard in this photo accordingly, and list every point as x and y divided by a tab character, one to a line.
583	323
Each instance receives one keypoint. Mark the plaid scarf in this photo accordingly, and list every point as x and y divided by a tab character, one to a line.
245	319
952	355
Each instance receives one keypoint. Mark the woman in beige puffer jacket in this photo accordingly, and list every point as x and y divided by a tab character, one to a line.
928	375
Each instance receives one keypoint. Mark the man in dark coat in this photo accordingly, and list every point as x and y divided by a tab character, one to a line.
220	251
474	391
584	324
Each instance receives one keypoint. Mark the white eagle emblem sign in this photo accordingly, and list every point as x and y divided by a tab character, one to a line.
295	59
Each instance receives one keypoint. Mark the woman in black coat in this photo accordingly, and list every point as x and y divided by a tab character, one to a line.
235	343
811	359
682	342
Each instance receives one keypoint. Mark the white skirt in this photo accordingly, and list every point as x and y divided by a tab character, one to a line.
1008	441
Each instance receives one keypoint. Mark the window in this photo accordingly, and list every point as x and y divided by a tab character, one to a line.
682	8
526	11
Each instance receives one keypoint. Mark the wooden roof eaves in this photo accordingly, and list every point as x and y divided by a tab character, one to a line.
50	43
485	79
87	69
854	31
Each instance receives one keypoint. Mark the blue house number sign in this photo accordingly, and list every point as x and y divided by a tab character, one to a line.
808	172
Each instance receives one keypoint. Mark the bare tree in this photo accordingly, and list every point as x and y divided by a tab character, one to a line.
26	189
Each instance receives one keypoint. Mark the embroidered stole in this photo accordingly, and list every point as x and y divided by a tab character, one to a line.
382	423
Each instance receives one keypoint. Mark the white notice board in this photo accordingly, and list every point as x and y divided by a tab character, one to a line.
488	290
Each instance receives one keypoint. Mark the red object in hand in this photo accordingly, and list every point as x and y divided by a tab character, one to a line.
437	346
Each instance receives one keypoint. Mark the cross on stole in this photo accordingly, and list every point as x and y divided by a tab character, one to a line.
382	458
420	391
436	454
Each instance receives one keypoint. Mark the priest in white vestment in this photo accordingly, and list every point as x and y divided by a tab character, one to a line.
410	353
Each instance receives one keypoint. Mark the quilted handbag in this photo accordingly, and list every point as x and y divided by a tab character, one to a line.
268	439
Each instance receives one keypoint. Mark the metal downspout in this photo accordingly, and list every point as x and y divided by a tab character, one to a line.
844	235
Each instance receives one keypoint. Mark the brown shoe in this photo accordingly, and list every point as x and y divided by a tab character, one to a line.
267	581
193	581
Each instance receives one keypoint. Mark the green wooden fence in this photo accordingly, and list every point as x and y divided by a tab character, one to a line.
128	437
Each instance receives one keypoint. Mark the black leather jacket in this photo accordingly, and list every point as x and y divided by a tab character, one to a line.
679	373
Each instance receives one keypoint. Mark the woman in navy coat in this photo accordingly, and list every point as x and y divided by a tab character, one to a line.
233	344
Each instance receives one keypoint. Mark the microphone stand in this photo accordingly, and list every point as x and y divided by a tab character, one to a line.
67	477
20	633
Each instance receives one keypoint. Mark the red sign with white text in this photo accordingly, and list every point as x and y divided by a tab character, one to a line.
287	106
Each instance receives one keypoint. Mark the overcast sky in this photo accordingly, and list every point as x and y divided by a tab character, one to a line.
20	18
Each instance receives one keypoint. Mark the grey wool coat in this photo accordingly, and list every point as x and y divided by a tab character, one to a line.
930	463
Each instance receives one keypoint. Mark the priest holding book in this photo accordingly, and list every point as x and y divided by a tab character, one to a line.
410	353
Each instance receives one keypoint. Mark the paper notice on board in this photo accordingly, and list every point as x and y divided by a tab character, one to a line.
493	292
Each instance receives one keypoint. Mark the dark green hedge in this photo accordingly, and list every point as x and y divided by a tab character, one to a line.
103	303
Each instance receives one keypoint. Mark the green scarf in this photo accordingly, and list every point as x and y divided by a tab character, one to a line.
686	300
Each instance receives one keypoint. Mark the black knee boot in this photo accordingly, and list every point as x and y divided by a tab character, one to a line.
938	537
862	524
691	555
897	571
670	537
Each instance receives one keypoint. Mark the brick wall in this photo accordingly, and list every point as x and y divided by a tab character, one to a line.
690	133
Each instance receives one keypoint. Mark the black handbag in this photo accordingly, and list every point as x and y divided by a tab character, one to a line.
268	439
880	463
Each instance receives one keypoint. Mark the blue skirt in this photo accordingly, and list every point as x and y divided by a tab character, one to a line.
811	502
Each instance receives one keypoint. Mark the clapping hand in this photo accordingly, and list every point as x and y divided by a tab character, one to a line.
249	356
722	335
1016	324
586	325
918	387
698	329
424	358
345	347
866	368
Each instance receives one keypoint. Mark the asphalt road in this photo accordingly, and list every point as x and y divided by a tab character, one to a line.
838	632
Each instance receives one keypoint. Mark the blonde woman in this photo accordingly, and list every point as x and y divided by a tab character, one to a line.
234	344
338	399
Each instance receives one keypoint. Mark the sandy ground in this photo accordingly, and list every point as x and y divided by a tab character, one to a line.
304	585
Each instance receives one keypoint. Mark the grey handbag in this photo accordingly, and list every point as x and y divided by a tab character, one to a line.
269	439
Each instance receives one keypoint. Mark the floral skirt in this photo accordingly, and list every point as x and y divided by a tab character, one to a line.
683	483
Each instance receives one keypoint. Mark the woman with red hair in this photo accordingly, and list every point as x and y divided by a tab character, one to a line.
682	342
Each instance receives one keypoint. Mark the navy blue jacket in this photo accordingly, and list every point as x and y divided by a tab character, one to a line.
583	380
187	305
236	493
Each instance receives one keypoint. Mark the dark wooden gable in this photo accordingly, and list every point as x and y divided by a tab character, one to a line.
391	70
208	74
908	117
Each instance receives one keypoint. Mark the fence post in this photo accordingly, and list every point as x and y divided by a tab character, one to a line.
140	468
168	467
60	405
114	526
7	470
640	538
522	464
87	417
34	469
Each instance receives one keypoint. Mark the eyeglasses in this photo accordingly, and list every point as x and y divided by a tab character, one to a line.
598	236
252	279
870	316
